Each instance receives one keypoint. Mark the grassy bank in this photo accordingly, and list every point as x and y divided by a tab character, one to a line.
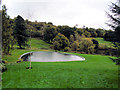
36	45
103	43
95	72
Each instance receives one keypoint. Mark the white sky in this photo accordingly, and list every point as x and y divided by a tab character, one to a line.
91	13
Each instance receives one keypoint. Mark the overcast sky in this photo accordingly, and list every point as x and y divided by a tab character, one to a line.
91	13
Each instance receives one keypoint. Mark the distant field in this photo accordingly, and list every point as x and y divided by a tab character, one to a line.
103	43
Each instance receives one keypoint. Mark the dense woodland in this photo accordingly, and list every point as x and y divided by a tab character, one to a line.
63	38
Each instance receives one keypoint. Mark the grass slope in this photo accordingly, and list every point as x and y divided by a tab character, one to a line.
36	45
95	72
103	43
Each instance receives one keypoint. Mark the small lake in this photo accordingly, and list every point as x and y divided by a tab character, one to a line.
44	56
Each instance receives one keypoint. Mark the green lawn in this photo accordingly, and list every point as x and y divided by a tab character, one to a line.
37	43
95	72
102	42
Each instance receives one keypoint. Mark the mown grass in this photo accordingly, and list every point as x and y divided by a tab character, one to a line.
95	72
103	43
39	44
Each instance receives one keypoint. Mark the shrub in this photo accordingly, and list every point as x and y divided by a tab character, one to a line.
56	45
75	45
87	46
66	49
60	42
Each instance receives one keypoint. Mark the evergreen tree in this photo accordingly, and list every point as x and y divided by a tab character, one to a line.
6	31
20	32
115	24
115	19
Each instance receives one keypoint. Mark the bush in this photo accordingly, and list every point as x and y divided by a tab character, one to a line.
103	47
56	45
60	42
87	46
75	45
66	49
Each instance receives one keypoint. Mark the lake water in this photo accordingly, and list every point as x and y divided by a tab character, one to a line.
43	56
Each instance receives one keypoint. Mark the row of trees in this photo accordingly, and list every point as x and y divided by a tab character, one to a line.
62	37
18	30
60	42
40	28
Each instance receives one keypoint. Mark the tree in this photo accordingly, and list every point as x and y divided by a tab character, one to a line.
92	32
56	45
80	31
115	24
100	32
96	43
60	42
71	39
87	45
75	45
87	34
77	37
20	32
115	19
109	36
49	33
66	30
50	23
6	31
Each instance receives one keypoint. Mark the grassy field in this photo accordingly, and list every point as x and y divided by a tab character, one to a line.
95	72
39	44
103	43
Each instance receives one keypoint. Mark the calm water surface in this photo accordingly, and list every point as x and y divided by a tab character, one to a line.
53	57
